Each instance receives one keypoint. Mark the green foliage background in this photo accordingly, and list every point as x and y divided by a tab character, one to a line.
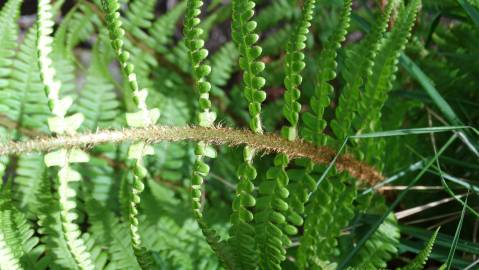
370	78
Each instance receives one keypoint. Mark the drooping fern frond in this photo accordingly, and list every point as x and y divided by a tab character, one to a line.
421	258
314	124
141	118
206	118
272	228
244	36
60	123
359	65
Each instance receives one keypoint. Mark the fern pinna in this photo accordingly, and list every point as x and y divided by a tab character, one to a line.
118	188
141	118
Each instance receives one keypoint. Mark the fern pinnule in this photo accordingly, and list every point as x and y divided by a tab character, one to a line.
60	123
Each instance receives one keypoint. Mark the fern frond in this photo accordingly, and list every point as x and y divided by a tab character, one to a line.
380	247
8	36
206	118
27	182
163	28
244	36
60	123
24	100
51	231
142	117
314	123
272	227
97	100
294	66
109	232
329	210
421	258
139	16
300	186
8	260
359	65
379	81
79	24
223	64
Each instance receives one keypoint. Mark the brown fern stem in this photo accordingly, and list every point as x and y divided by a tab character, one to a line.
268	143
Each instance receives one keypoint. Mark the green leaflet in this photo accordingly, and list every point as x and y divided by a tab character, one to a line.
244	36
379	81
294	66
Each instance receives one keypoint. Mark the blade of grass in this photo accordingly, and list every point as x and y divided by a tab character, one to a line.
453	195
398	199
471	11
443	240
409	131
411	168
476	262
440	102
456	238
